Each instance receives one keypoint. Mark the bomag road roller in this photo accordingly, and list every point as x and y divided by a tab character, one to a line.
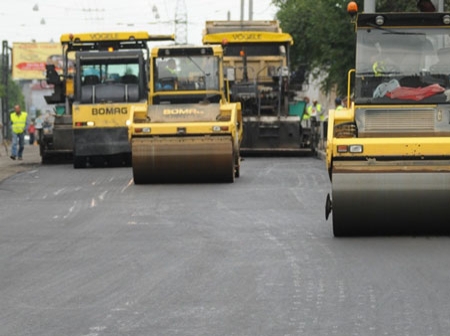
105	76
388	154
257	67
190	132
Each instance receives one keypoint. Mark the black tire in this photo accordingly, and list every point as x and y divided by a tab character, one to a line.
237	167
79	162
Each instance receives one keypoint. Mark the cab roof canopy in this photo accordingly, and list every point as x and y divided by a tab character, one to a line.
245	32
115	40
186	50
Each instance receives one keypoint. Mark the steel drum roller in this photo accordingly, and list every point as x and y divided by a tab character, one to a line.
183	159
391	202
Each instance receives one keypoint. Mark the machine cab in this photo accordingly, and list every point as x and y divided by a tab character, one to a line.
398	63
103	77
187	75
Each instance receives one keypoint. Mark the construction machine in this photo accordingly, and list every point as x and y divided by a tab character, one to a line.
388	153
104	77
257	68
55	139
190	132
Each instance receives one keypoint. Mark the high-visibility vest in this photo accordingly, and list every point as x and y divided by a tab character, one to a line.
313	111
307	114
378	68
172	71
18	122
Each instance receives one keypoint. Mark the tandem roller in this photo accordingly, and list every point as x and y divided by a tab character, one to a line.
189	132
388	148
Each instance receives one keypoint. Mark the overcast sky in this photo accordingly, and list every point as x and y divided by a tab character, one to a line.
46	20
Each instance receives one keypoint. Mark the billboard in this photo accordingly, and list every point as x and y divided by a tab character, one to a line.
29	59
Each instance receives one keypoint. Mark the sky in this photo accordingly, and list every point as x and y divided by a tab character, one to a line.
46	20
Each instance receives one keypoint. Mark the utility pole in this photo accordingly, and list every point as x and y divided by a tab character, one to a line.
4	82
369	6
250	10
181	22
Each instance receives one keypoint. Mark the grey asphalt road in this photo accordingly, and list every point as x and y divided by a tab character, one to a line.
88	253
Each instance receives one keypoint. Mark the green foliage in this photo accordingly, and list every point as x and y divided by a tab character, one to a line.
13	92
324	37
396	6
15	95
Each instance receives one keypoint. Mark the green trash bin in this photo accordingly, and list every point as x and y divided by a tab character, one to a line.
60	109
297	109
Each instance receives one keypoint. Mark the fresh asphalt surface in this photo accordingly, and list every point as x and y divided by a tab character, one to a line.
87	253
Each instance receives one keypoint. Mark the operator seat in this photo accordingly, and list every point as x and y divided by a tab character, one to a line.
129	79
91	80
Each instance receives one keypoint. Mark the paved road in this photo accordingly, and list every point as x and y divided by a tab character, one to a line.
88	253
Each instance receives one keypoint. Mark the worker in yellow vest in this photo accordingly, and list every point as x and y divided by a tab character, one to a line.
313	111
338	103
19	125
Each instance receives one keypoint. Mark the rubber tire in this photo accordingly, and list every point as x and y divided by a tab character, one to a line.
79	162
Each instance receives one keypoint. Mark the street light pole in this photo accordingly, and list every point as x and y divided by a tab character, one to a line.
4	81
369	6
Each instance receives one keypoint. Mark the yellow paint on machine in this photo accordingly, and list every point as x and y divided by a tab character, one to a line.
105	115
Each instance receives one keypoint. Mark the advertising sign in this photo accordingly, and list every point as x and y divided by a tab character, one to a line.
29	59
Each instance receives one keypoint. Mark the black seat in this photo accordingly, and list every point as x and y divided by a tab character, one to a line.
129	79
91	80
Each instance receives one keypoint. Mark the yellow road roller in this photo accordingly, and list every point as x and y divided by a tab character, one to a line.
104	76
189	132
388	151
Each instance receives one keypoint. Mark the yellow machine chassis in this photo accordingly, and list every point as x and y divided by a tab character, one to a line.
397	185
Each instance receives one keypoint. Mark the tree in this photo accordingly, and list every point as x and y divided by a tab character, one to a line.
324	37
13	92
324	40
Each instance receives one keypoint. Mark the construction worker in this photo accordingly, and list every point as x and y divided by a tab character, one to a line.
378	68
306	115
172	67
169	70
338	103
18	120
314	110
382	64
168	76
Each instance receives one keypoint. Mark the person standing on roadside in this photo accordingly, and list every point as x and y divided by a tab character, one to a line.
31	132
38	128
18	120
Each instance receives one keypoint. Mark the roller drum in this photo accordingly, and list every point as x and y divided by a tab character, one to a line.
395	203
182	159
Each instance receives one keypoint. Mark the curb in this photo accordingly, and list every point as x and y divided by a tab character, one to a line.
8	167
